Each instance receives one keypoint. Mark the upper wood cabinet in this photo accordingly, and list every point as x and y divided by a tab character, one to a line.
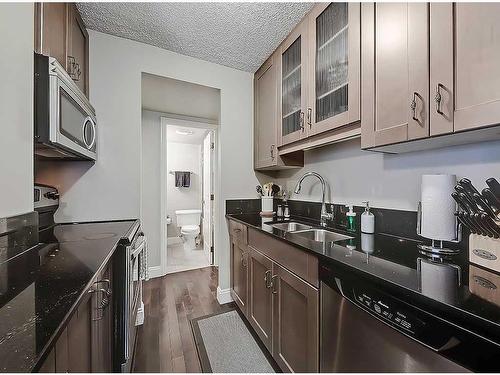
429	75
307	92
470	98
266	118
395	93
266	114
60	33
334	74
292	88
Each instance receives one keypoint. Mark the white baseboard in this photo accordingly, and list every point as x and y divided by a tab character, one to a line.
224	296
155	271
174	240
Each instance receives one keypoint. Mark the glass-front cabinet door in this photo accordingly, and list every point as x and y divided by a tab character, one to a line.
334	53
292	87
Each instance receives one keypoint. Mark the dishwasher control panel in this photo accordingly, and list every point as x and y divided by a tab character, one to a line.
386	309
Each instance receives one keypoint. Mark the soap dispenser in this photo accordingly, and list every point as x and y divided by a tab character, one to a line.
367	220
351	219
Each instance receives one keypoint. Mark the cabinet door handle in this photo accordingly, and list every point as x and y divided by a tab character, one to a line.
244	262
438	98
274	284
301	124
267	279
272	151
309	117
413	106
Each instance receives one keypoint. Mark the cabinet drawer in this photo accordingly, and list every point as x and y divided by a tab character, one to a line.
296	260
238	231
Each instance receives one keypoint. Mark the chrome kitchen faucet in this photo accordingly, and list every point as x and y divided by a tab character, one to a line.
324	214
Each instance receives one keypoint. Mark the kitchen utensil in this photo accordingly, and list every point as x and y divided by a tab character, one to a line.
457	199
266	190
494	185
483	205
481	219
467	185
472	219
492	201
490	223
464	219
467	203
275	190
259	190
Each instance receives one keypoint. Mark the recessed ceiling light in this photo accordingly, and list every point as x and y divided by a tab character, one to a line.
184	132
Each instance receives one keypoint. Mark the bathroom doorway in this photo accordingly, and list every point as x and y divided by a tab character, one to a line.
187	193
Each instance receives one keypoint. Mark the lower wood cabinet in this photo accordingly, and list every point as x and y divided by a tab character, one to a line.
239	273
295	322
86	344
282	307
260	313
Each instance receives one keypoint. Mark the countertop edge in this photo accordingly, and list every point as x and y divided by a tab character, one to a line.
399	288
64	323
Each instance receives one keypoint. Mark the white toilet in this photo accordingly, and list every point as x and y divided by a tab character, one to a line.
189	222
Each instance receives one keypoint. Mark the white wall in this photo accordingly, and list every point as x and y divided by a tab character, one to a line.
389	181
111	188
183	157
16	109
151	177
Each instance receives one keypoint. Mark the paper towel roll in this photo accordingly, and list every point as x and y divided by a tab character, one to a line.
438	207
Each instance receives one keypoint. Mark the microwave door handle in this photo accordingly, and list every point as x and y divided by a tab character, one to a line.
86	122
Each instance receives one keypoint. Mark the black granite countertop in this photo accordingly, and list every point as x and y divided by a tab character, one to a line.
41	287
466	294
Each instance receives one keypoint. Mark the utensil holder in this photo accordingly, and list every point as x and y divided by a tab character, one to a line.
267	205
485	251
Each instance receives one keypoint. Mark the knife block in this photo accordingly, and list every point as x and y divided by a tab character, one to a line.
484	251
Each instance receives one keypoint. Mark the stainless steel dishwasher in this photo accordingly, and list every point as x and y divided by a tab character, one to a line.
366	329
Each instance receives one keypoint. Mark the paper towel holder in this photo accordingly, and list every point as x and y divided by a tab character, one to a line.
436	249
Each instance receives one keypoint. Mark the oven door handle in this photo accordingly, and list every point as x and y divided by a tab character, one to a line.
138	250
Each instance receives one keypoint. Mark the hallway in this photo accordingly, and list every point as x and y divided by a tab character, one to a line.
170	302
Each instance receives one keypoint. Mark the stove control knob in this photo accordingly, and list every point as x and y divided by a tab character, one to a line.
378	309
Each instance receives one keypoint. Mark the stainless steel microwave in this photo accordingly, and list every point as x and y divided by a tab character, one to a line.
65	121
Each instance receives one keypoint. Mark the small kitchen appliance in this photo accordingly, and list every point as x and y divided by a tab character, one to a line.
65	123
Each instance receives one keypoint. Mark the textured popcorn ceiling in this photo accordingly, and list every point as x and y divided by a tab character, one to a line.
238	35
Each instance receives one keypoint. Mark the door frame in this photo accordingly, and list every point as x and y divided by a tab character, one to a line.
211	140
164	122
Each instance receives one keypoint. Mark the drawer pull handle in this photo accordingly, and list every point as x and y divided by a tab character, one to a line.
274	284
268	280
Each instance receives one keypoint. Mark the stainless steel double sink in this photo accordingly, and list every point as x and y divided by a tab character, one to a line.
310	233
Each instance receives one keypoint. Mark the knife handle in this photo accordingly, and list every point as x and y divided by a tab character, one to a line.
494	186
492	201
467	185
483	206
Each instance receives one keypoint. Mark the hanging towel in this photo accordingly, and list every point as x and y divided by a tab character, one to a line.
182	179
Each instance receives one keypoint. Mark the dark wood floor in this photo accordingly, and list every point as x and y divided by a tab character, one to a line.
165	342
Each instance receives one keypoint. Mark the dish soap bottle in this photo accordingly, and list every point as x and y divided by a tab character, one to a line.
367	220
351	219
